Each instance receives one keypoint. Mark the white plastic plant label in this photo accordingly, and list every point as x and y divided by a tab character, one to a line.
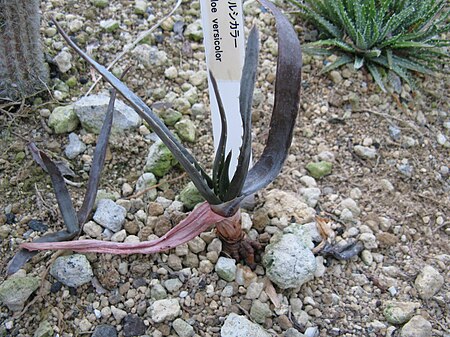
223	36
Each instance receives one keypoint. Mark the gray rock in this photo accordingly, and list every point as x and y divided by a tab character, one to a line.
44	330
110	215
105	330
305	234
167	309
351	205
133	325
417	327
144	182
75	146
63	119
254	290
15	291
428	282
150	56
194	31
441	139
289	262
64	61
395	132
291	332
260	311
93	230
365	152
182	328
72	271
399	312
158	292
369	240
91	111
190	196
197	245
226	268
118	314
159	160
408	142
311	195
240	326
186	130
173	284
308	181
405	169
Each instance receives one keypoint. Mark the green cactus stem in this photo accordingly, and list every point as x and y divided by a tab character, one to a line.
23	71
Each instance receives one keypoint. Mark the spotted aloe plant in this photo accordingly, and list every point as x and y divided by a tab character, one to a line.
223	194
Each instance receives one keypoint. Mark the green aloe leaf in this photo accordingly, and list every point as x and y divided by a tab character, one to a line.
376	76
344	59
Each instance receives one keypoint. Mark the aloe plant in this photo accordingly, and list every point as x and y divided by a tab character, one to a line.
72	219
223	194
401	36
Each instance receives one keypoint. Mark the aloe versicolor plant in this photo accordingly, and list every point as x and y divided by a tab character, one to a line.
223	194
72	219
401	36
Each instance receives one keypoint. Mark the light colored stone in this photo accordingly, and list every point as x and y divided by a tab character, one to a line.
72	271
110	215
259	311
226	268
64	61
289	262
92	229
75	146
182	328
240	326
91	110
150	56
417	327
400	312
365	152
167	309
428	282
15	291
144	182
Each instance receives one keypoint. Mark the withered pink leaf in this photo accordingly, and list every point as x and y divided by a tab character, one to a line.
199	220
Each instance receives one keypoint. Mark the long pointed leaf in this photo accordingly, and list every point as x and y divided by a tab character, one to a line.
180	153
286	105
62	195
98	163
24	255
245	103
220	152
199	220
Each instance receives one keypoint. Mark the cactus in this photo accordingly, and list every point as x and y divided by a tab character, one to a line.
23	71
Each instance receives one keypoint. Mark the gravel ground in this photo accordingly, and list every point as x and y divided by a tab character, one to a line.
388	188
